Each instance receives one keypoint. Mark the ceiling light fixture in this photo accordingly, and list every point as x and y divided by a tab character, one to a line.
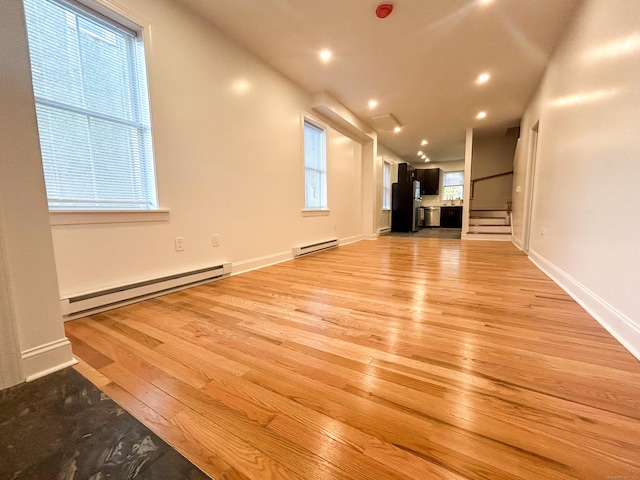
424	142
397	129
420	153
325	55
427	159
423	157
483	78
373	103
481	115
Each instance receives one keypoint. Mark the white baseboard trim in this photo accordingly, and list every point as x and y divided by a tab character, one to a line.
47	358
348	240
370	236
621	327
517	243
384	230
245	266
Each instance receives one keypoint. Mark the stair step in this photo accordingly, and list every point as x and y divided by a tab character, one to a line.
488	213
487	221
499	237
490	229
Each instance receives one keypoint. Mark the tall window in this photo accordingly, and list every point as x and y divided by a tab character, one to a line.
315	166
90	86
453	184
386	185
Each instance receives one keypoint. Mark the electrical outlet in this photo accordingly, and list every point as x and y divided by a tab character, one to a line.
179	243
215	240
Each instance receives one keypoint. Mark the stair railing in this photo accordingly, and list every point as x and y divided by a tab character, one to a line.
473	182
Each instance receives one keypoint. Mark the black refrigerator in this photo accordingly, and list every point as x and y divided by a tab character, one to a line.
405	204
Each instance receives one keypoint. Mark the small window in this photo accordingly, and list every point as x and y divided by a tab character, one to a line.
453	184
90	86
386	185
315	166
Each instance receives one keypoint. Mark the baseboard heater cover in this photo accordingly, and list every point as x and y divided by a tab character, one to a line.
314	248
114	297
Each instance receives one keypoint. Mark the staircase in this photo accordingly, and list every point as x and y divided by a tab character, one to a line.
489	225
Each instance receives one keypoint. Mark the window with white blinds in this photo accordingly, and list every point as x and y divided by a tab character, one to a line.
90	86
386	185
453	185
315	166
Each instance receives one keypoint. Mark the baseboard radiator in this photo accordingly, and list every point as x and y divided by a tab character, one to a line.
314	248
94	302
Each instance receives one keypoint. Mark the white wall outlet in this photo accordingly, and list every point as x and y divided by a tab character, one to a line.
215	240
179	243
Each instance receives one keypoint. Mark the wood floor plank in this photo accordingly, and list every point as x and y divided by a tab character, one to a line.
400	358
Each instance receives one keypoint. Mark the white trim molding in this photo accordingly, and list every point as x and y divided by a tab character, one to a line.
87	217
621	327
315	212
47	358
245	266
353	239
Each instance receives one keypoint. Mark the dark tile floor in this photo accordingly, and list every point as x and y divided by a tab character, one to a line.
430	232
62	427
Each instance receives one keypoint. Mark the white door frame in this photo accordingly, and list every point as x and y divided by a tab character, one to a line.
10	358
532	156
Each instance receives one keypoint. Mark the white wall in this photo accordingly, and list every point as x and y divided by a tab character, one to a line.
492	156
31	321
228	147
586	220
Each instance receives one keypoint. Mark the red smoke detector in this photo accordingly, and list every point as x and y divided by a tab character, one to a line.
384	10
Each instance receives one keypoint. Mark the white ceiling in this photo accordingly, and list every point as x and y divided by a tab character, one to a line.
420	63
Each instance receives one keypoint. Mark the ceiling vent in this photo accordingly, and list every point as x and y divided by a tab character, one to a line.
386	122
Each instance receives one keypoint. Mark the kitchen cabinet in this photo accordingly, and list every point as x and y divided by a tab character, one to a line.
451	217
406	172
429	179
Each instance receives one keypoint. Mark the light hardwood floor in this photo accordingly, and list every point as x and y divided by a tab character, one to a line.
395	358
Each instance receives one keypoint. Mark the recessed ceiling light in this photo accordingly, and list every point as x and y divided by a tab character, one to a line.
481	115
420	153
397	129
325	55
483	78
427	159
423	142
373	103
423	157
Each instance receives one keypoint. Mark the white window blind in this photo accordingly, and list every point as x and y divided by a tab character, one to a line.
452	179
90	86
315	166
453	183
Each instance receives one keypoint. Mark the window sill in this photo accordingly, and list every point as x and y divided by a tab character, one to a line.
386	209
87	217
315	212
